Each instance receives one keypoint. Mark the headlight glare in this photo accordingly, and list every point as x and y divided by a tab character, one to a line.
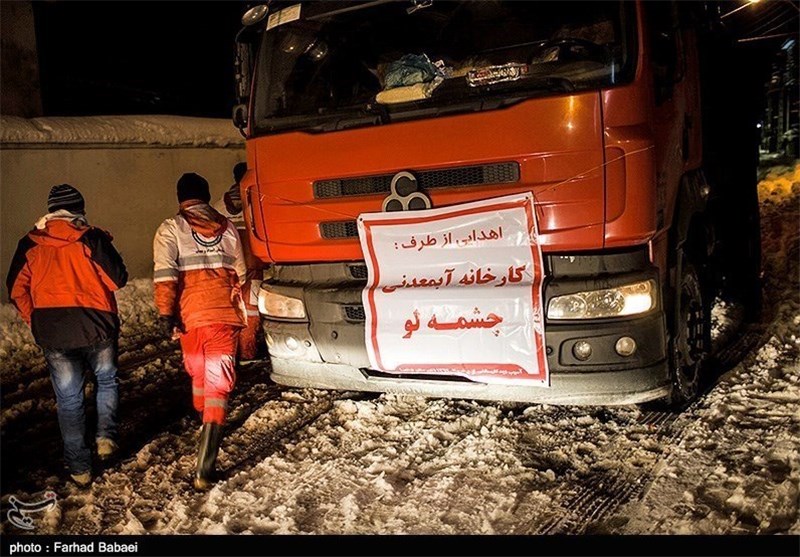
620	301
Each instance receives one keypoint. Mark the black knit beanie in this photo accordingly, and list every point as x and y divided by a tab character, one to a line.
66	197
193	186
239	171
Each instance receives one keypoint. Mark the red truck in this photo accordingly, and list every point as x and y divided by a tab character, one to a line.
596	108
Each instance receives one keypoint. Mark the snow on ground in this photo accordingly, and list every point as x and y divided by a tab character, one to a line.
173	131
400	464
307	461
17	348
737	468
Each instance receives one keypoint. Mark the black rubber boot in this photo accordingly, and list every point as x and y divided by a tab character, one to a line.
210	439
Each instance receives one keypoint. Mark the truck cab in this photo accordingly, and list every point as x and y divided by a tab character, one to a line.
595	108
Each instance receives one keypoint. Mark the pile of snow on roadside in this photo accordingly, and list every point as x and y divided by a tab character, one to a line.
172	131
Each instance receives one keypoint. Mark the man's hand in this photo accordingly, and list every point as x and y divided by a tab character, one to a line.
167	325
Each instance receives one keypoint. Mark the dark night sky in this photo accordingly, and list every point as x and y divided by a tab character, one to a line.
137	57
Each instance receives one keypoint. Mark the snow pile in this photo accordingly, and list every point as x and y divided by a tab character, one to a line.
17	348
173	131
137	312
779	193
780	184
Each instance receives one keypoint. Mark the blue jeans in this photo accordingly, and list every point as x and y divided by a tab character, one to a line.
67	372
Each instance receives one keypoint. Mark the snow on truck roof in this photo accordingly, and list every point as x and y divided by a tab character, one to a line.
157	130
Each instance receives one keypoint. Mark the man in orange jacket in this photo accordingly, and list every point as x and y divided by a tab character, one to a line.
199	270
62	281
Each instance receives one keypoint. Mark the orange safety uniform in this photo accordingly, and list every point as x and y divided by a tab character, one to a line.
199	270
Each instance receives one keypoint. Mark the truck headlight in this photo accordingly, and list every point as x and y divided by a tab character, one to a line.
279	306
630	299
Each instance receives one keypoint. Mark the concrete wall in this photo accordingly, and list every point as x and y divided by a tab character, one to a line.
129	190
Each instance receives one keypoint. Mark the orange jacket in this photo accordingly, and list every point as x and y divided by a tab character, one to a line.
199	268
62	280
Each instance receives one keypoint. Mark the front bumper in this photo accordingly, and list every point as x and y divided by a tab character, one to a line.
329	351
606	388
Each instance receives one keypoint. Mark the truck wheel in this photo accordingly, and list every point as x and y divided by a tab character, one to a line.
690	337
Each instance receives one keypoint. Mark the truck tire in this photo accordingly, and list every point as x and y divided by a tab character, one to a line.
690	336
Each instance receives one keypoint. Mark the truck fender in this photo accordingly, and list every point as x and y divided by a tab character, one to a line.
690	232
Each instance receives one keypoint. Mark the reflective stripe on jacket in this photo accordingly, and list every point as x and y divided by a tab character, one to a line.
199	268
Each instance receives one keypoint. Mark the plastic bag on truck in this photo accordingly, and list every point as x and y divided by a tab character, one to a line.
411	69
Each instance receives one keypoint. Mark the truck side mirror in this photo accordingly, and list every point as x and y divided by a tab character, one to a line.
242	73
240	116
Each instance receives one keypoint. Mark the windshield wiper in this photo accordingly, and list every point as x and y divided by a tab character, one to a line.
344	123
478	99
363	115
457	107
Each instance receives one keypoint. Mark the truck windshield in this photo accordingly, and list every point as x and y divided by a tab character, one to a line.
333	65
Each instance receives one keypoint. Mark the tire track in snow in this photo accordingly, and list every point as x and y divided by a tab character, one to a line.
260	443
145	494
598	496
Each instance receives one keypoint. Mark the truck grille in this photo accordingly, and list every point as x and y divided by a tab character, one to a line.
358	271
462	176
355	313
338	229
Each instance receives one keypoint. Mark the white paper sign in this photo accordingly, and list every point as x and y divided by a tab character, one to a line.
456	291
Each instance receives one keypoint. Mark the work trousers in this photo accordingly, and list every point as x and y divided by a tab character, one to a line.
209	356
